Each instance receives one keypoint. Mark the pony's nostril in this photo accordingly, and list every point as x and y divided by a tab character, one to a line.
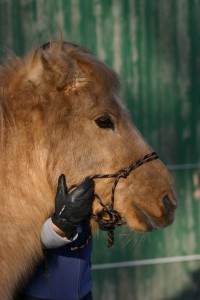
168	204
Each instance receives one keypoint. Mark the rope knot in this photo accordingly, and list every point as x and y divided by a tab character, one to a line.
108	208
123	173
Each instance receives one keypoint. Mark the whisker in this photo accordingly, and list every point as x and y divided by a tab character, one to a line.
134	239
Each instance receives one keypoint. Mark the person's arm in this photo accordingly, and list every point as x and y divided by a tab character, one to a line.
53	237
70	210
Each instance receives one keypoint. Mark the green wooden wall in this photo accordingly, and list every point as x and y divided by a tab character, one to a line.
155	47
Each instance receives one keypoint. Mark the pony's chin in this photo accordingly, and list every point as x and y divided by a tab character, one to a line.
140	226
139	220
143	222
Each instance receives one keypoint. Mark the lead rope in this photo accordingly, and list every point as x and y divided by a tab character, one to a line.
114	218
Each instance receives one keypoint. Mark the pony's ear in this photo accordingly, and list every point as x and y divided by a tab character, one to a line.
60	71
57	69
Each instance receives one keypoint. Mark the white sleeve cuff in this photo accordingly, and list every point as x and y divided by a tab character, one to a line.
50	239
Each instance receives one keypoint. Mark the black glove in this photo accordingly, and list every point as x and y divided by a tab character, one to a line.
71	209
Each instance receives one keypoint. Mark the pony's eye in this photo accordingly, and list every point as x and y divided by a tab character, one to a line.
105	122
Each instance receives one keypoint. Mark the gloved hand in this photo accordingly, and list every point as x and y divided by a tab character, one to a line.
71	209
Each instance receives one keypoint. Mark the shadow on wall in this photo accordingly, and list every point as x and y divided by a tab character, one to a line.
193	291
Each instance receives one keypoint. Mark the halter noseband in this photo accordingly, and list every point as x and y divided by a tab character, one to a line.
114	218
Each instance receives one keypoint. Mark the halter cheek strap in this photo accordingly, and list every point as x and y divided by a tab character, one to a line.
113	218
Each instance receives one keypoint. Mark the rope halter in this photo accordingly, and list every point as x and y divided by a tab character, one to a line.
113	218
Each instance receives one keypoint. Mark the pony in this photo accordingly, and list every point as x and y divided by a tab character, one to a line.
61	112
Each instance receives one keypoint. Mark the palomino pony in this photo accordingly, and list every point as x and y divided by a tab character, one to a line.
61	113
